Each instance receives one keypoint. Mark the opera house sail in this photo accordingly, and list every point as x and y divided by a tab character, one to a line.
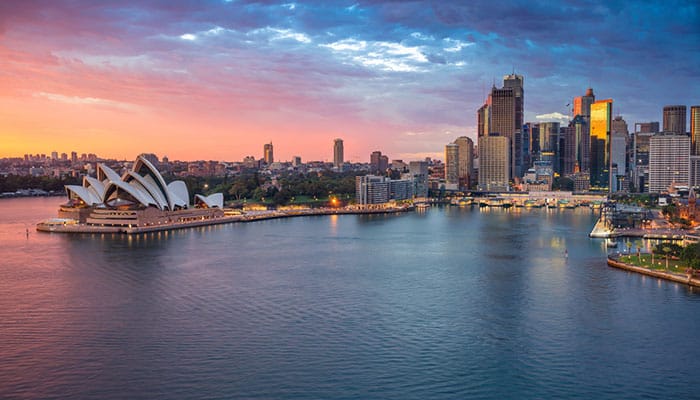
138	201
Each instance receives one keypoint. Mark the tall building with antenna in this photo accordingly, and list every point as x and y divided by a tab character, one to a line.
502	115
268	155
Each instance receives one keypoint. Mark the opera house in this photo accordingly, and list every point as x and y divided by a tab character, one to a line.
138	201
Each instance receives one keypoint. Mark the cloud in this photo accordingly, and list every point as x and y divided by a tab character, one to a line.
89	101
281	34
553	117
382	55
379	67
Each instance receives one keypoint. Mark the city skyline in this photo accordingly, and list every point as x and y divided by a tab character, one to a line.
217	80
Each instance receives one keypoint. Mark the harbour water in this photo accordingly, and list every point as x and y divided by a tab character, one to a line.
438	304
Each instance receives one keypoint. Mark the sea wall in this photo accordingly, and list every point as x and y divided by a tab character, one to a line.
688	280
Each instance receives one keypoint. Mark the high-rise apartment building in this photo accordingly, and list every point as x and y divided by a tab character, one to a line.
466	161
452	166
695	130
268	154
669	156
601	119
674	119
494	171
378	162
338	154
370	189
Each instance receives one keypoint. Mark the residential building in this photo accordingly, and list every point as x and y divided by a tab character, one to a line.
466	161
338	154
372	189
451	166
268	157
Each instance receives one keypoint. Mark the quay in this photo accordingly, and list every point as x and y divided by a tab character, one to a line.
688	279
65	225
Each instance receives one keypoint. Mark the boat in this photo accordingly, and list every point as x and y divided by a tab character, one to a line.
611	243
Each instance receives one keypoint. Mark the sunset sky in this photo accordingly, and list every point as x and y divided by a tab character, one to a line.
216	80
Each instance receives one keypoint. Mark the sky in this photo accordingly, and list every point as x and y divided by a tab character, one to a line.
215	80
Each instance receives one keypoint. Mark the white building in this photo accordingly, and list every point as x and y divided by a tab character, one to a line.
669	161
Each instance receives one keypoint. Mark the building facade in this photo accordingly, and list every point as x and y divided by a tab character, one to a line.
695	130
268	153
451	166
669	161
466	161
494	171
674	119
601	118
338	154
372	189
418	172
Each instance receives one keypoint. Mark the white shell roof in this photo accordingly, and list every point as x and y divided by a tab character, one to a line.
143	183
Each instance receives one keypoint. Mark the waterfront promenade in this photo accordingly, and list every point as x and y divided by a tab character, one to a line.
58	225
672	274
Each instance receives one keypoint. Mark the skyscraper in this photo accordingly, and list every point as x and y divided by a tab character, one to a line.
338	154
493	166
580	148
502	117
695	130
378	162
582	107
502	114
482	117
452	166
517	83
601	118
674	119
669	156
582	104
466	160
268	154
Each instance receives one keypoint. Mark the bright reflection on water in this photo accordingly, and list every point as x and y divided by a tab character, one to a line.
440	304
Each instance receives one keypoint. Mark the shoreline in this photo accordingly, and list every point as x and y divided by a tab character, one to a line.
64	226
614	262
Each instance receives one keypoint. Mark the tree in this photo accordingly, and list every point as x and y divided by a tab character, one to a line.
666	250
238	190
691	255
